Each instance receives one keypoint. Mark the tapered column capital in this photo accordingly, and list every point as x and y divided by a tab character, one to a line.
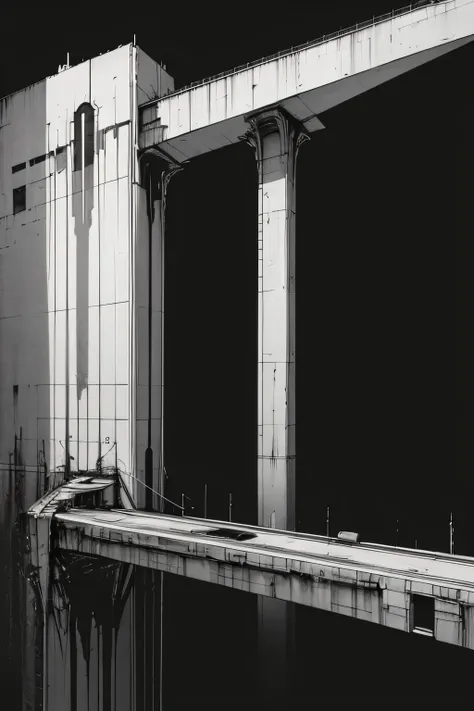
270	121
276	138
168	172
160	166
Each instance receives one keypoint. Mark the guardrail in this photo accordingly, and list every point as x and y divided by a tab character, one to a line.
311	43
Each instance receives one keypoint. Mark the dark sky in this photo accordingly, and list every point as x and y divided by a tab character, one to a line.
384	344
205	39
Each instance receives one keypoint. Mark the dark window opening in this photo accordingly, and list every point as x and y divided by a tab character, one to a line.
19	199
83	136
423	614
38	159
61	158
18	167
228	533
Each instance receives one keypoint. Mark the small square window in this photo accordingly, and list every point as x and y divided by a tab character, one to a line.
38	159
19	199
423	614
61	158
18	167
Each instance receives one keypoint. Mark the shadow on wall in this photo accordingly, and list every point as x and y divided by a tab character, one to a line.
90	617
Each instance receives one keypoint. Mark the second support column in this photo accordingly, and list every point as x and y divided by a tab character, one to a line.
276	138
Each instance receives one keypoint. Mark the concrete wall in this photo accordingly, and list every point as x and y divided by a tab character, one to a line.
41	282
69	265
152	79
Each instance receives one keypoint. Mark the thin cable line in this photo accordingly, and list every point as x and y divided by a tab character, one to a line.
153	490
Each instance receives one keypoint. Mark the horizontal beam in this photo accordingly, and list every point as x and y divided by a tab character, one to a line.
305	82
361	581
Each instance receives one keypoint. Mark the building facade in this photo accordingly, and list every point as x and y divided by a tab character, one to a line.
80	297
74	276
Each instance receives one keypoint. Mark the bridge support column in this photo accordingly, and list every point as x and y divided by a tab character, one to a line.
148	622
155	177
276	139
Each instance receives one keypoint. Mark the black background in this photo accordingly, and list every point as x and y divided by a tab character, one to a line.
384	334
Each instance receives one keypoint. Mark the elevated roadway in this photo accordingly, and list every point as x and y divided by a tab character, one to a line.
304	81
410	590
413	591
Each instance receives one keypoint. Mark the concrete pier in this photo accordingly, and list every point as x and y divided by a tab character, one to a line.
155	177
276	138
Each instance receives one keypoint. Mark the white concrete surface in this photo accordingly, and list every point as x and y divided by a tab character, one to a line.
71	270
276	139
419	565
150	265
305	82
366	581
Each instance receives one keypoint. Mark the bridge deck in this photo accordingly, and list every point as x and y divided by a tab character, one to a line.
367	581
305	81
437	568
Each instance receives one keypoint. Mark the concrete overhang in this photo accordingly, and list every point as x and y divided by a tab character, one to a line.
366	581
306	81
370	582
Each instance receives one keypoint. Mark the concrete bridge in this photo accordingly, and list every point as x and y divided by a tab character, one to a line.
371	582
114	411
303	81
413	591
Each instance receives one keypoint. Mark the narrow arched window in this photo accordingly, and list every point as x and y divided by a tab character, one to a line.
83	136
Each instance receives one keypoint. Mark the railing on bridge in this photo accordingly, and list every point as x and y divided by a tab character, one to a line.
376	19
372	582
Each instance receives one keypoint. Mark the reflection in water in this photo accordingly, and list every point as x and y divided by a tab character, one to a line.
210	655
96	592
105	638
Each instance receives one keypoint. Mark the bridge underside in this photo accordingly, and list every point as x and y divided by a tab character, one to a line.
305	108
304	82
